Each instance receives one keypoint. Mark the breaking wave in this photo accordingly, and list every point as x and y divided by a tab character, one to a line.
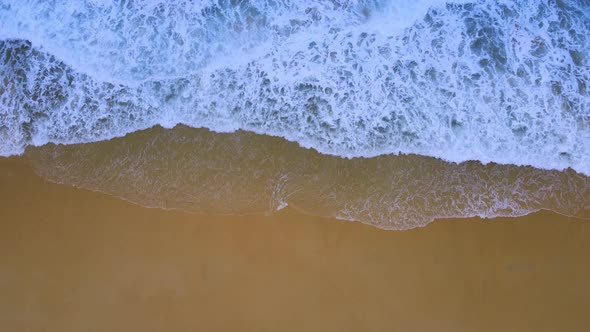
488	80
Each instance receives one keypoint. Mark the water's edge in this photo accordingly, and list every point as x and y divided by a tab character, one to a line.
200	171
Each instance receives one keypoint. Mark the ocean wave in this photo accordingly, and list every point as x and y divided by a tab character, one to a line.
494	81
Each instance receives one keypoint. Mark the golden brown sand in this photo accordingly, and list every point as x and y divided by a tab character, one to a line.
74	260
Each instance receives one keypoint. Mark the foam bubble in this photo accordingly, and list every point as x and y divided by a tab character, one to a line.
501	81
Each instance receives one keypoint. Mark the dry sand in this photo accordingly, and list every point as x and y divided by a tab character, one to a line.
74	260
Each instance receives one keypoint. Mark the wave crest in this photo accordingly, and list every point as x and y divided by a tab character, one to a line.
503	81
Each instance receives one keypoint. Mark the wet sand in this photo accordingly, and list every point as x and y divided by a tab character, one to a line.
242	173
75	260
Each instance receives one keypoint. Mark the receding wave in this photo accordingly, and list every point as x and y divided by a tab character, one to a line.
494	81
243	173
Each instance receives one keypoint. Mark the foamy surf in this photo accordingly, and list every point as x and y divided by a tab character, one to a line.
493	81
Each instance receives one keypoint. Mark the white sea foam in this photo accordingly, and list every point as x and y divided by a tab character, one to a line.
502	81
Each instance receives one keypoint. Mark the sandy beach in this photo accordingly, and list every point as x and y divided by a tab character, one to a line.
76	260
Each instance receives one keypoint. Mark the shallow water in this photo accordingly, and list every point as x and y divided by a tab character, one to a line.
244	173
